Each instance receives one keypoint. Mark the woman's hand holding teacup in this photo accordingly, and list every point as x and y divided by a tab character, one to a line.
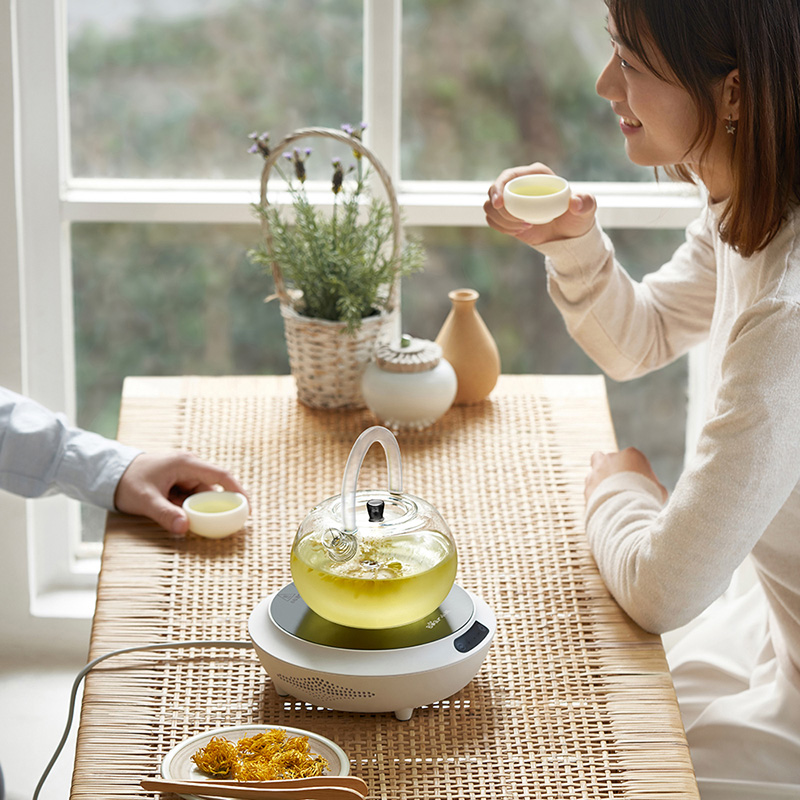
575	221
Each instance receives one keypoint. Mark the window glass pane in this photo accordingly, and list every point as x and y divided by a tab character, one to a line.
649	413
167	300
172	88
492	85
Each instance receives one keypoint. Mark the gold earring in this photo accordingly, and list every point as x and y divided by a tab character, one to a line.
729	126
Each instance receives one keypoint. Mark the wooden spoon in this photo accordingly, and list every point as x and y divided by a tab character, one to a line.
247	791
349	781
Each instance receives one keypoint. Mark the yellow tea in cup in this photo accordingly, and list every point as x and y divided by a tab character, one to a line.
216	505
216	514
535	191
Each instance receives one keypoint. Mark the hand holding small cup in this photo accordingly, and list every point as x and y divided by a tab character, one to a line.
216	514
536	206
538	198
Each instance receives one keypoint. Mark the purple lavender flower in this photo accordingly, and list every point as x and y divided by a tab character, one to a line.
338	175
298	158
260	143
356	133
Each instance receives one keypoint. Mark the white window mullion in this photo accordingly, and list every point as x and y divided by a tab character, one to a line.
11	368
425	203
382	71
47	336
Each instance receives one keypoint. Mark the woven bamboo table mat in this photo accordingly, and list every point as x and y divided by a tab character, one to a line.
573	699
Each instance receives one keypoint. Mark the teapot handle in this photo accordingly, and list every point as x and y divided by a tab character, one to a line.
387	440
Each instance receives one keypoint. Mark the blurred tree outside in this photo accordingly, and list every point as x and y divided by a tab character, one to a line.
485	85
175	97
490	85
167	300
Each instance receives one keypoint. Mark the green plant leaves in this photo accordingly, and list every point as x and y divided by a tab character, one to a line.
341	262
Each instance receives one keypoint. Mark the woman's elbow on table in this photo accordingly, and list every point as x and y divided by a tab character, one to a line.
645	590
659	617
650	595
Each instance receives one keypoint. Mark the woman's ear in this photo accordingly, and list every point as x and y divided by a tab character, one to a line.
730	96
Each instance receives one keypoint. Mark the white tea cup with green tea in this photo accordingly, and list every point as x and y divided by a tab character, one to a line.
537	198
215	514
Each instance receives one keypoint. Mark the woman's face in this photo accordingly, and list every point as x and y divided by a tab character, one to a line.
658	119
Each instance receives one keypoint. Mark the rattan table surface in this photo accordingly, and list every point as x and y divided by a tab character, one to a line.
573	700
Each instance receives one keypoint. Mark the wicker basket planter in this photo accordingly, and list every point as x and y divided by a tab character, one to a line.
325	359
327	362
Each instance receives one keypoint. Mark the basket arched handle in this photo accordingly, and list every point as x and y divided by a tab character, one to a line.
357	145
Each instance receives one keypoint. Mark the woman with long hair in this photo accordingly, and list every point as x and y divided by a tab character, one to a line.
710	91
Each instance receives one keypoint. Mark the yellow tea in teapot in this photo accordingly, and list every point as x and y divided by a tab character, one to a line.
388	583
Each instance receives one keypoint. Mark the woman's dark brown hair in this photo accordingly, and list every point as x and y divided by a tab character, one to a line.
701	41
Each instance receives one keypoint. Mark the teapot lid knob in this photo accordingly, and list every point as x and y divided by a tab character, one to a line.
375	510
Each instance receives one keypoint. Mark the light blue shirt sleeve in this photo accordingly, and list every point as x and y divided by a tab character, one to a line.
41	454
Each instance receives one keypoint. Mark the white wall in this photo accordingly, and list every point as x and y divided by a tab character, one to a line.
19	630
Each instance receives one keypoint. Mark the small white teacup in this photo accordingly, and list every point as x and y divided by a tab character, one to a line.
216	514
537	199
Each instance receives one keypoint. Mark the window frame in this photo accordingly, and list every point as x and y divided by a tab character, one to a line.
49	199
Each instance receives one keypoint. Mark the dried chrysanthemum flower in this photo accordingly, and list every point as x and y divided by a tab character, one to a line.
298	743
314	767
263	757
254	770
218	757
294	764
264	744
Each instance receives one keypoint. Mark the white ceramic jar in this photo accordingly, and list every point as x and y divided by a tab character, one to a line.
409	385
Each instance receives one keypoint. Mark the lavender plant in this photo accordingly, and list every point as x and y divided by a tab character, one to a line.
339	263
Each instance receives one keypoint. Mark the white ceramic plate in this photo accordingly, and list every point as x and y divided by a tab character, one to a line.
178	764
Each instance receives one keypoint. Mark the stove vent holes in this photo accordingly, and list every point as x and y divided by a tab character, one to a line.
321	689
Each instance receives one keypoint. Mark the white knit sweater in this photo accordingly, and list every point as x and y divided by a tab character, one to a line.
740	493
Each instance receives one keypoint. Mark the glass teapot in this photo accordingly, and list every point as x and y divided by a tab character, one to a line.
373	558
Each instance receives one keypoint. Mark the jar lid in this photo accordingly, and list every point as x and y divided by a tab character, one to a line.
408	355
